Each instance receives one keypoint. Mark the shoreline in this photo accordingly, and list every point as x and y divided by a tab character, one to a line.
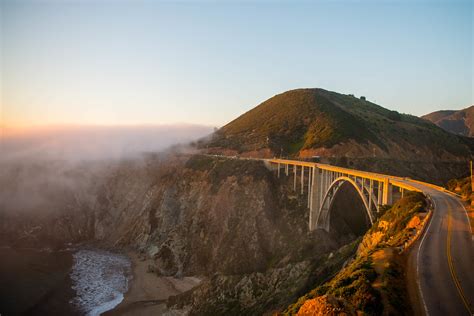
147	293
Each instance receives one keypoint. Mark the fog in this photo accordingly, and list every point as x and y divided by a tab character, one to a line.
81	143
43	171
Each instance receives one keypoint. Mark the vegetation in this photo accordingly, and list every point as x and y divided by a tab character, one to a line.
373	283
221	168
460	186
315	118
291	121
463	187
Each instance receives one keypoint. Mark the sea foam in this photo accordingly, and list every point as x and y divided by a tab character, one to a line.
99	278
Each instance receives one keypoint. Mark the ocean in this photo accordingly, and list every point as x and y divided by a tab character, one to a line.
70	282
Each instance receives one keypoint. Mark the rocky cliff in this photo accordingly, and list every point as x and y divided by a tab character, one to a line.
230	222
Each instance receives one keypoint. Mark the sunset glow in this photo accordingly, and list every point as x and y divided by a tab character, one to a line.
146	62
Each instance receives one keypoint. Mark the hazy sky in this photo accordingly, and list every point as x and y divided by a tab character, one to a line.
151	62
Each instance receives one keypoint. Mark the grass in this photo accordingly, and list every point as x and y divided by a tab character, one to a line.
294	120
218	169
460	186
315	118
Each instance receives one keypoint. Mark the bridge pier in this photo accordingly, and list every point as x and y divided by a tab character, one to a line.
302	180
387	193
294	182
309	187
371	191
380	193
324	181
316	193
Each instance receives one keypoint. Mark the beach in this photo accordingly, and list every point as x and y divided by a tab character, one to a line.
148	292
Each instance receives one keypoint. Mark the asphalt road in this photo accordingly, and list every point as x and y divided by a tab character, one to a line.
443	258
441	265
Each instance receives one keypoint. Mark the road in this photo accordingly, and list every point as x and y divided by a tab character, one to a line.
442	261
441	264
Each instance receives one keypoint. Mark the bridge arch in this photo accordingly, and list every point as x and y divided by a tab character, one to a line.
323	220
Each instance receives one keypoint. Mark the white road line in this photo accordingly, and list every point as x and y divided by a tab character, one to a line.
418	258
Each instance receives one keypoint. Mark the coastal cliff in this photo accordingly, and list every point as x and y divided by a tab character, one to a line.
231	223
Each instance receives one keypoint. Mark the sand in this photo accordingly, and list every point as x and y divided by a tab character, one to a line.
148	292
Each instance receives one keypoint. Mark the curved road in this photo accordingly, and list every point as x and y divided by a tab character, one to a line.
443	259
441	264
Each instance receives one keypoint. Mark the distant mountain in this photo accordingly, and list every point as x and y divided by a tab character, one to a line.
307	122
457	122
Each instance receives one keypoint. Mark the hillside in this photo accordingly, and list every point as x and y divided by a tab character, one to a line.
372	283
231	223
457	122
306	122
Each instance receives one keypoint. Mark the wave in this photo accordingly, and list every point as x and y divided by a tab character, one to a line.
99	278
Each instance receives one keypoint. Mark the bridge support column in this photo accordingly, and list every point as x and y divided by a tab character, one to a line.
278	172
294	181
371	192
323	184
302	179
379	193
286	169
309	187
387	193
316	191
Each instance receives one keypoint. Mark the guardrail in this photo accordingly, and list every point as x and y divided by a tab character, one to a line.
394	180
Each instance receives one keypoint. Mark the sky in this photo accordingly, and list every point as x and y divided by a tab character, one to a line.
138	62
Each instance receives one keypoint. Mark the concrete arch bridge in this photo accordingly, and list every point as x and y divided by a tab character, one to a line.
323	181
439	262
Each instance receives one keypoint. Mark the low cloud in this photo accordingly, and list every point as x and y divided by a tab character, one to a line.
43	170
96	142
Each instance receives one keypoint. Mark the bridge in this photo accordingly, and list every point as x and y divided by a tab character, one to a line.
440	264
323	181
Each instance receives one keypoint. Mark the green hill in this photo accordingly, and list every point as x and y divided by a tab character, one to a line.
306	122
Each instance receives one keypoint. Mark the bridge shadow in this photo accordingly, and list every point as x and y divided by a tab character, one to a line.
348	216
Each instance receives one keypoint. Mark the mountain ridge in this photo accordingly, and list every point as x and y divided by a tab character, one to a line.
460	122
314	121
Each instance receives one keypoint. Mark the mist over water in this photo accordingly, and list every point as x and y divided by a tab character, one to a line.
78	143
40	169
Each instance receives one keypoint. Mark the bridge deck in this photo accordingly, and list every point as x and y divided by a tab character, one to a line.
393	180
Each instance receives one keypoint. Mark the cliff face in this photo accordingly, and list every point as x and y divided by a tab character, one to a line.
228	221
231	222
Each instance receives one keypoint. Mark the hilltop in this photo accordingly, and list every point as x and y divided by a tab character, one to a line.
307	122
457	122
